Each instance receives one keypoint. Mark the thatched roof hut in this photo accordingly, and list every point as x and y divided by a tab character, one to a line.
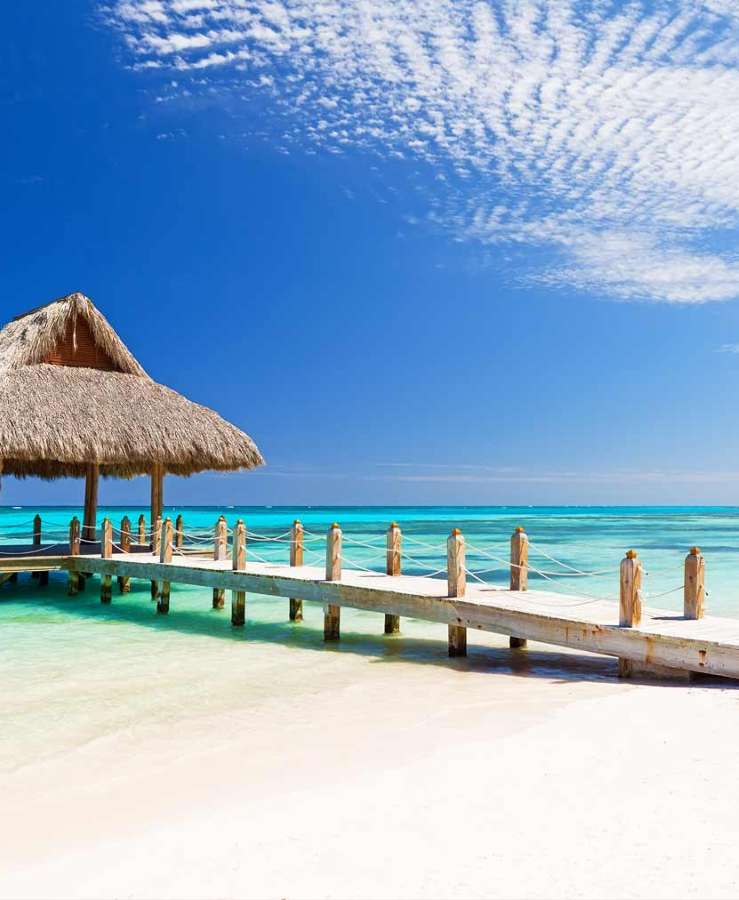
75	402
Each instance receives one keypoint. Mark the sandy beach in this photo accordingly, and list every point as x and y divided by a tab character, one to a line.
535	774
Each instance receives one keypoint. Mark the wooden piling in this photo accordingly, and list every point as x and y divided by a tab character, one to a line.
179	531
297	545
156	538
220	552
37	543
519	572
106	552
238	564
141	537
124	582
166	547
73	578
456	586
694	590
630	602
393	566
331	612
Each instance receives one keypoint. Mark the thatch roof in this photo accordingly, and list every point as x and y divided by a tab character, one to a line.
65	404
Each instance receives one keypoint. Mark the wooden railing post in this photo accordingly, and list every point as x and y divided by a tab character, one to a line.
456	585
630	602
141	537
238	564
220	552
695	584
393	567
106	552
519	572
73	582
297	539
156	542
179	531
124	581
166	547
37	543
331	612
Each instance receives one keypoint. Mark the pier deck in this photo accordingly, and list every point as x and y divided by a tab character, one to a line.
664	638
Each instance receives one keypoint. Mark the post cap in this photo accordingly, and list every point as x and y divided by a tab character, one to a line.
394	525
520	529
297	522
695	551
335	525
631	554
456	531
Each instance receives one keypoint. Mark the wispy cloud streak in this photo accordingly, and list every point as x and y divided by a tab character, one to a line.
605	131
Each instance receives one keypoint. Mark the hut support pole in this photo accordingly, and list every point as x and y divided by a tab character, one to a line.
456	584
92	476
392	567
296	559
331	612
238	557
519	572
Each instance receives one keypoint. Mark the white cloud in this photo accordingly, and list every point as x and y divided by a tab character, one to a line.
605	130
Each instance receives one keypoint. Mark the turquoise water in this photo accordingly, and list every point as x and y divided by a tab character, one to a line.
74	671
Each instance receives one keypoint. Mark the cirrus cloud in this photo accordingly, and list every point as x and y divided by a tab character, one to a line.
604	131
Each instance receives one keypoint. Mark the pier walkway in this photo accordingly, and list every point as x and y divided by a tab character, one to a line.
641	638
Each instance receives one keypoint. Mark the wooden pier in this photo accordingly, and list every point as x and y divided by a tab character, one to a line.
641	638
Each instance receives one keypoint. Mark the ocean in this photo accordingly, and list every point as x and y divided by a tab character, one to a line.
74	671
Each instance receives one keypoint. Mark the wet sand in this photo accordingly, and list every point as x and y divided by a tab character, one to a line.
527	774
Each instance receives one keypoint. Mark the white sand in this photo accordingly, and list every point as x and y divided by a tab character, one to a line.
409	780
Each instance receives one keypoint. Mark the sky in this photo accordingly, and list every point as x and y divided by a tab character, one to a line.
423	252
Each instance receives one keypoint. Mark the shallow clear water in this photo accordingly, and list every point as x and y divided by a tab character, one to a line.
73	671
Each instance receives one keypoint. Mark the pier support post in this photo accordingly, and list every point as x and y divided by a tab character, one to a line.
519	572
331	612
124	581
156	543
166	545
694	591
393	567
630	602
220	551
238	559
456	585
73	582
297	538
141	536
179	532
43	577
106	552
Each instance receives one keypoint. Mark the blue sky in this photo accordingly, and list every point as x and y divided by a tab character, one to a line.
423	252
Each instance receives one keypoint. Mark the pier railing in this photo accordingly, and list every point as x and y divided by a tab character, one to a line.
327	558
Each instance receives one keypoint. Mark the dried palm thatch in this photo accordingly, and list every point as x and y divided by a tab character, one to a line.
101	407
